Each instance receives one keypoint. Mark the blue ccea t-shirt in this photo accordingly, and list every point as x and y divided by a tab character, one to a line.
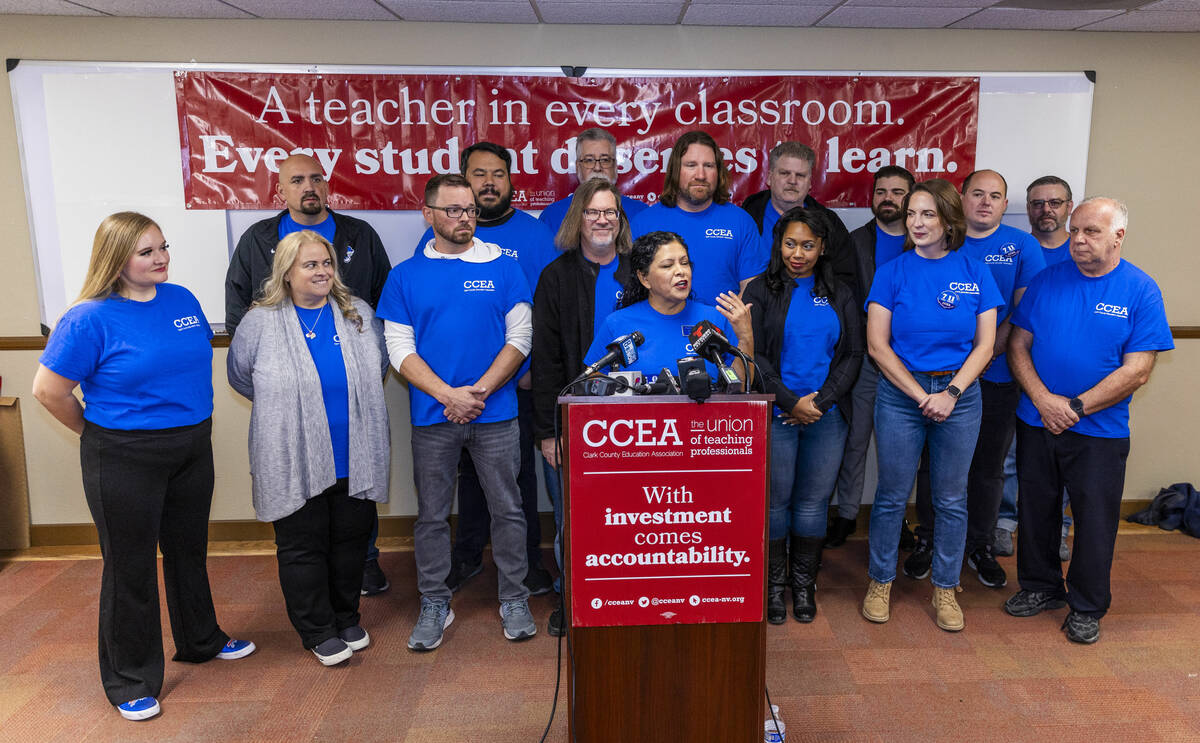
326	229
141	365
553	215
326	350
810	336
1014	258
666	335
456	309
1082	327
934	304
887	247
608	293
1057	255
723	244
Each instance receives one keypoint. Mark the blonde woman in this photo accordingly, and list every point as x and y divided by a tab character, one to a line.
311	357
139	349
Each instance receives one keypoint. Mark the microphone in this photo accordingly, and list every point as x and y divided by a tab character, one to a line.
666	384
622	351
693	377
709	343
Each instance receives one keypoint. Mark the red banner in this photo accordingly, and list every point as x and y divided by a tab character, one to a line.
667	512
380	137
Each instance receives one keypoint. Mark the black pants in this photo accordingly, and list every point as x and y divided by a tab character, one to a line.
1093	470
150	490
985	482
321	549
474	519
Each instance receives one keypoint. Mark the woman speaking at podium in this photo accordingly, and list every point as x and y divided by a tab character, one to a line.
809	339
657	303
931	323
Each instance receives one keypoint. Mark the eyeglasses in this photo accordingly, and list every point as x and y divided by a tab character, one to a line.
1052	203
594	214
454	212
603	161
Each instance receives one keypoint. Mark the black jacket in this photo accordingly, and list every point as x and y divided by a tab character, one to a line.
364	272
563	313
862	242
768	315
839	239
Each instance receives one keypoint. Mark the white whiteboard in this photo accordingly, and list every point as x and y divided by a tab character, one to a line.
96	138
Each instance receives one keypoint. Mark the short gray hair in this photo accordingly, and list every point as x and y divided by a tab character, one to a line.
1120	211
595	134
791	149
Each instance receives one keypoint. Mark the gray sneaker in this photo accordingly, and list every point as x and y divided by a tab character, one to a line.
518	622
435	617
1002	544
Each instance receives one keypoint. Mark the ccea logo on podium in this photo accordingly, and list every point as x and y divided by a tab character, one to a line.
625	432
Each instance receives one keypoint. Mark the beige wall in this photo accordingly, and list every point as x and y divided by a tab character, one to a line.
1142	150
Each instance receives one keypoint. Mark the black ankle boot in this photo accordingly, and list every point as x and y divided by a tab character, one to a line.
776	580
806	561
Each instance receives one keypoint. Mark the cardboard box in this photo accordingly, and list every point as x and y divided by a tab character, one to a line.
14	485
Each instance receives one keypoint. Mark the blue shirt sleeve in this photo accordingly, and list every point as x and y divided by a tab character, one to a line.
1150	329
391	302
1022	315
73	349
1032	261
883	289
752	256
989	292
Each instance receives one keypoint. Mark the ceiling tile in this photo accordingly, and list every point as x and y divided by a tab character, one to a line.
1043	20
463	11
619	14
347	10
167	8
1149	20
44	7
743	3
909	5
753	15
880	17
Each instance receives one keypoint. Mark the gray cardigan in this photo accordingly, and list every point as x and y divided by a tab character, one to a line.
291	453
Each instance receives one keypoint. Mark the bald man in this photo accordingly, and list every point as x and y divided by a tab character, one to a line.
362	262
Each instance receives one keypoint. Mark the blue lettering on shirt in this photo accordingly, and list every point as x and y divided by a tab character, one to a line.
810	336
326	350
723	244
934	304
1014	258
456	310
1082	328
666	335
140	365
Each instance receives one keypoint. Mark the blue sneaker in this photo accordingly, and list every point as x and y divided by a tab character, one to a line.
435	617
518	622
235	649
142	708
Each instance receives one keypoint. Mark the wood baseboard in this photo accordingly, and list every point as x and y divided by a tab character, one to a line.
58	535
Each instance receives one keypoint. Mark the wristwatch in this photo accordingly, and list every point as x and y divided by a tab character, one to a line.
953	391
1076	405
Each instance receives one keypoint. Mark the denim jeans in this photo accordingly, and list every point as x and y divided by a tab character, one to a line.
804	468
554	492
901	431
851	476
493	448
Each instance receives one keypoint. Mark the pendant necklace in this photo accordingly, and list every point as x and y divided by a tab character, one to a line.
311	333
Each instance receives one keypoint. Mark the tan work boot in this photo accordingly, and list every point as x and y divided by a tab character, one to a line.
875	605
949	614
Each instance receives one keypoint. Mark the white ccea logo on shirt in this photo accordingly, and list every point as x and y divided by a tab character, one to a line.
820	301
719	232
1112	310
966	287
184	323
479	285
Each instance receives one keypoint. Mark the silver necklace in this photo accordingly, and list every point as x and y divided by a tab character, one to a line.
311	333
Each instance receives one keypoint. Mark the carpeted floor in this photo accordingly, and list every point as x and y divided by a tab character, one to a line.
838	679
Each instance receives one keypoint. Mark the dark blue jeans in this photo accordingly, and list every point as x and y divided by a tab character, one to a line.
804	468
901	431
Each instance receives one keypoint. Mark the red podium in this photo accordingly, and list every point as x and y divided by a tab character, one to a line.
665	558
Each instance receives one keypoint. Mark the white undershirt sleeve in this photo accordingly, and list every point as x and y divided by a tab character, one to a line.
401	342
518	327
